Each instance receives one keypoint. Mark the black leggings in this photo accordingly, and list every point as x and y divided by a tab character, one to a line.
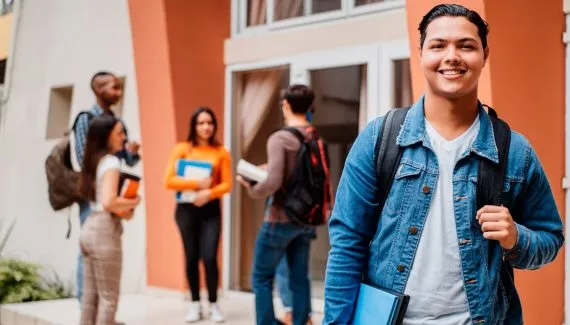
200	231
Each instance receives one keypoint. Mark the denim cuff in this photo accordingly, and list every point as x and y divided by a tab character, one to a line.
515	255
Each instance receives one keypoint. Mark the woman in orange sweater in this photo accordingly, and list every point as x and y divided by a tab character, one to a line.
199	221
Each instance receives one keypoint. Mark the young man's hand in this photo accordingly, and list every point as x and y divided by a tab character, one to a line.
202	197
243	182
133	147
498	224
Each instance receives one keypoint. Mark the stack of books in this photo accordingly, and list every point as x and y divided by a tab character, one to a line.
191	169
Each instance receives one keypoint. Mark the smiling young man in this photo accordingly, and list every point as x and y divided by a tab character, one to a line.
429	240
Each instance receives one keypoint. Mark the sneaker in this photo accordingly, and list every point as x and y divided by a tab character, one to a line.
194	313
216	314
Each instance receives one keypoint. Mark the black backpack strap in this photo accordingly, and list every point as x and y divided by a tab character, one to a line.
388	153
296	132
491	176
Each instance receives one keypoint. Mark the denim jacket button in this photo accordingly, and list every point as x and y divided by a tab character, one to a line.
401	268
413	230
426	189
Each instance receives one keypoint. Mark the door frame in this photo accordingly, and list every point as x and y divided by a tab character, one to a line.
378	58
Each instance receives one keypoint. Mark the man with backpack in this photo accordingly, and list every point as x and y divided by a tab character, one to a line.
299	191
108	91
439	202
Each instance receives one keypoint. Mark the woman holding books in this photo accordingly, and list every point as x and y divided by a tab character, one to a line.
101	234
199	170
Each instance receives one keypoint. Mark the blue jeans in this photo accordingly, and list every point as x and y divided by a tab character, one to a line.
84	212
274	241
282	282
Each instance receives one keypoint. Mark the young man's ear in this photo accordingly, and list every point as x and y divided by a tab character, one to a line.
486	54
285	107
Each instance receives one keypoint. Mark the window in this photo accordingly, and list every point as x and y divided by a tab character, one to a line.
59	111
256	12
366	2
286	9
403	96
7	7
267	15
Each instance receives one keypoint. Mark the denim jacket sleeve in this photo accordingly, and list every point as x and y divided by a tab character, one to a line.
351	227
540	229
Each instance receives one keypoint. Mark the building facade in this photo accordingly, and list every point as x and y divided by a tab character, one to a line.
360	56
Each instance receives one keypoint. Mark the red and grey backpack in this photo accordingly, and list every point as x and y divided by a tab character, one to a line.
308	190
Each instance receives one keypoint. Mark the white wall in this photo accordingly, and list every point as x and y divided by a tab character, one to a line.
60	42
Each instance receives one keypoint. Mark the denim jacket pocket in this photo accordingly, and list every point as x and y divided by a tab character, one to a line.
405	175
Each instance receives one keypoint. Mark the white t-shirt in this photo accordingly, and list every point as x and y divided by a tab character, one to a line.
435	286
106	163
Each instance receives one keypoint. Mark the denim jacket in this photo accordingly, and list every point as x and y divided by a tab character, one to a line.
380	243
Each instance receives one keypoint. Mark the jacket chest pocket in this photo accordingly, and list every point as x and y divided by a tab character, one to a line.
405	187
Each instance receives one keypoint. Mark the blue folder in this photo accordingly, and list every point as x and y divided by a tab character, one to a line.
191	169
379	306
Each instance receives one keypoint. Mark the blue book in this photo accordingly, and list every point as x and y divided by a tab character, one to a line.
191	169
379	306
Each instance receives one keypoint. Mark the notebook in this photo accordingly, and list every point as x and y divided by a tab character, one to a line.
191	169
128	188
379	306
250	172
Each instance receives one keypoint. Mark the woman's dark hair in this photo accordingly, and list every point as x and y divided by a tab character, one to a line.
299	97
96	147
452	10
193	136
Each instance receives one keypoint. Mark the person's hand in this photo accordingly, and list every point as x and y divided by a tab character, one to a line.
133	147
243	182
202	197
205	183
498	224
129	215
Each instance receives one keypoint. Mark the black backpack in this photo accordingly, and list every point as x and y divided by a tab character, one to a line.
308	191
490	176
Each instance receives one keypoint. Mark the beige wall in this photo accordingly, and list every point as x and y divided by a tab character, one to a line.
5	33
61	42
383	26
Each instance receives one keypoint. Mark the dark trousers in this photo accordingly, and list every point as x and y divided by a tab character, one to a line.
200	231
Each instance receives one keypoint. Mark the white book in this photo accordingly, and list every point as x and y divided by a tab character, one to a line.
251	172
191	169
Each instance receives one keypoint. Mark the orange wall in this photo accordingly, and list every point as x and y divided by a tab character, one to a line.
537	73
525	83
196	33
178	49
157	118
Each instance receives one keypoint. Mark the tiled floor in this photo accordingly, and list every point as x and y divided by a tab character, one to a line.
133	310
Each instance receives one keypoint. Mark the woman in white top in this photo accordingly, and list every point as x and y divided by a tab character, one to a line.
101	234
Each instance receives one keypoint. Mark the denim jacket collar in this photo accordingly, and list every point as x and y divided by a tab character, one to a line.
414	130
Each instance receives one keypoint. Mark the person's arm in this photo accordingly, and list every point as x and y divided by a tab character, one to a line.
540	232
351	228
276	162
131	159
225	184
111	201
174	182
80	135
